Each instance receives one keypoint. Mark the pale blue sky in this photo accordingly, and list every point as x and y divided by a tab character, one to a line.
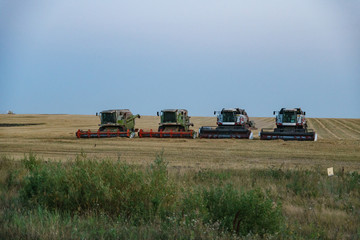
80	57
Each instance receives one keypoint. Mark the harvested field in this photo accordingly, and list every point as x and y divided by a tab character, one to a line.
288	178
53	136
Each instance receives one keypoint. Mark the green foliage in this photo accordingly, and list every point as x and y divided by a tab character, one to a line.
113	188
353	182
31	162
304	183
10	174
121	191
227	209
12	179
247	212
193	205
104	199
210	175
269	173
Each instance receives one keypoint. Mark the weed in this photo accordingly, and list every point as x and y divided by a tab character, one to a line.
211	175
244	213
31	161
93	186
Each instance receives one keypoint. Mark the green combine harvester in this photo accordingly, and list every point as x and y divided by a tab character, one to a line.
114	123
174	123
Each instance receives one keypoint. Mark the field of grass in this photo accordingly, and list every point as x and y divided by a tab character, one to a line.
198	174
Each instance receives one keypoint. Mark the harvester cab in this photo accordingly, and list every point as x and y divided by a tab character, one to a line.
113	123
291	124
121	119
174	123
233	117
290	118
174	119
231	123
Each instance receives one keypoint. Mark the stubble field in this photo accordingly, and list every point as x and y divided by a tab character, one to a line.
53	136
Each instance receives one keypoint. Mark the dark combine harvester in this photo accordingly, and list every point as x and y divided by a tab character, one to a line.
231	123
290	125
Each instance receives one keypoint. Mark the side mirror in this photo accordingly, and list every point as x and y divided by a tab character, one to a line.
304	113
214	112
157	113
97	114
274	113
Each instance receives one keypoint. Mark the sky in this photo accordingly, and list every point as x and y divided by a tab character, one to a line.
81	57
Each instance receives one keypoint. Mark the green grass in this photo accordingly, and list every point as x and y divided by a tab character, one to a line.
104	199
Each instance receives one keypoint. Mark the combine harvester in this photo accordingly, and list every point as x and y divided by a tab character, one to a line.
174	123
114	123
231	123
290	125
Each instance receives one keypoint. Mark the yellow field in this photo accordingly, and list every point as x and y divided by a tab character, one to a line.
53	137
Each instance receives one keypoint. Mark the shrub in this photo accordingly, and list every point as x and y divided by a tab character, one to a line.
123	192
113	188
244	213
30	162
193	206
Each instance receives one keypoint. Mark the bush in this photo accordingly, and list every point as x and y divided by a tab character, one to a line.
193	206
30	162
244	213
113	188
123	192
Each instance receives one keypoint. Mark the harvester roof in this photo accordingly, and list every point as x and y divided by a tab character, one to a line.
229	109
297	110
237	110
117	110
174	110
